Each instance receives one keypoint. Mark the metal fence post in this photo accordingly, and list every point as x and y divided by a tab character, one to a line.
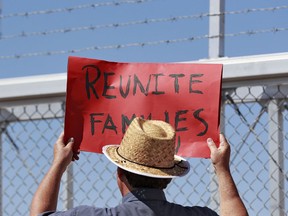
216	50
216	28
67	180
214	201
0	19
1	174
276	164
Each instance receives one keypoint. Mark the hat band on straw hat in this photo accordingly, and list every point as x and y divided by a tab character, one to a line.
157	167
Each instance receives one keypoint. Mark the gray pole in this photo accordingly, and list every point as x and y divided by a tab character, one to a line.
216	28
67	180
1	174
0	19
276	164
214	199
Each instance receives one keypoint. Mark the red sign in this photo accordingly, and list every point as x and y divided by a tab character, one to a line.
103	97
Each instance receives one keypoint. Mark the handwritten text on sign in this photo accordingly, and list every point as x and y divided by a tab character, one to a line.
103	98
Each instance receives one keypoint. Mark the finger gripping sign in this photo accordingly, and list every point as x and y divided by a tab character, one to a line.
103	98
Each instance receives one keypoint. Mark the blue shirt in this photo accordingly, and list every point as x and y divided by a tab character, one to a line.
148	202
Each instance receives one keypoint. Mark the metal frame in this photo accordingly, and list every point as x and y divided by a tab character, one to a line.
249	70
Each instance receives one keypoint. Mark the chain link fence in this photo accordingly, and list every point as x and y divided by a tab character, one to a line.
254	119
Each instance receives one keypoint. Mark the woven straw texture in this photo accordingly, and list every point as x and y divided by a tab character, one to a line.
148	148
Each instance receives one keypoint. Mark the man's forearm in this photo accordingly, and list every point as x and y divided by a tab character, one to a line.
230	201
46	196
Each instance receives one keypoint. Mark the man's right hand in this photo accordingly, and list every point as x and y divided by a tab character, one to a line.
230	201
220	156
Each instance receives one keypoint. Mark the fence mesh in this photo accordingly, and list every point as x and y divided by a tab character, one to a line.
255	121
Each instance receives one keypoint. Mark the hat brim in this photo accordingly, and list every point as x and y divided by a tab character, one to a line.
181	166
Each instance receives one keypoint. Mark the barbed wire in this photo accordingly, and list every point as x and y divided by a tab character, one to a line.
70	9
253	32
138	22
252	10
142	44
95	27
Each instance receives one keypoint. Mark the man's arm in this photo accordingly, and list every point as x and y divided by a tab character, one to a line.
230	201
46	196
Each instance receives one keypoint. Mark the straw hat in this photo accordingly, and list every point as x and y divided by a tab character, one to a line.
147	149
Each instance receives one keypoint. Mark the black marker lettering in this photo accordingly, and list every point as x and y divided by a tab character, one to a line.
156	92
178	119
109	124
126	122
192	81
196	115
176	82
90	84
93	121
107	86
178	144
137	82
166	113
125	94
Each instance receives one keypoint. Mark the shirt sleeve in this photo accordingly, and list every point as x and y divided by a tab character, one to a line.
46	213
77	211
205	211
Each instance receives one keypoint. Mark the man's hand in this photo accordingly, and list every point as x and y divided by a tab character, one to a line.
63	154
220	156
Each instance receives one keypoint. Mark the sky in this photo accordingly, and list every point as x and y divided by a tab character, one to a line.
38	36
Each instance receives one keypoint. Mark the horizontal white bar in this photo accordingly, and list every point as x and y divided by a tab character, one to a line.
251	70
